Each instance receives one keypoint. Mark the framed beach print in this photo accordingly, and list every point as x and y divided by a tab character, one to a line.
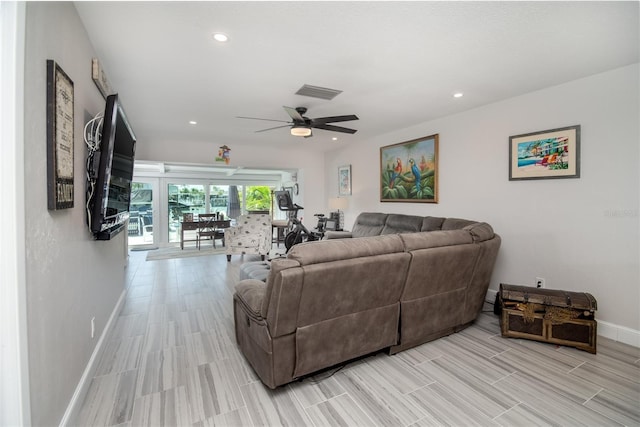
409	171
344	180
553	153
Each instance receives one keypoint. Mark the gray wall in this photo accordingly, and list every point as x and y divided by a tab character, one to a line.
578	234
69	277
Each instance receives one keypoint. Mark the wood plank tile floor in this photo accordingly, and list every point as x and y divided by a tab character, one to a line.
172	360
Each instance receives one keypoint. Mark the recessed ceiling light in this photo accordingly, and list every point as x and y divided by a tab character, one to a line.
193	122
458	95
334	138
220	37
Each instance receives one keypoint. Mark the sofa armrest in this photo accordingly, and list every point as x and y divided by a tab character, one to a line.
337	235
250	293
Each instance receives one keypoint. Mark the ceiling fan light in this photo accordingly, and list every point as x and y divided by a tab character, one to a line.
300	131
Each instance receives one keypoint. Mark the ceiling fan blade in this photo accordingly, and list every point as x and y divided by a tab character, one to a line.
267	120
333	128
295	116
277	127
334	119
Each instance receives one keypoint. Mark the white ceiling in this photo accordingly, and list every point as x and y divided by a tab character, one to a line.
397	63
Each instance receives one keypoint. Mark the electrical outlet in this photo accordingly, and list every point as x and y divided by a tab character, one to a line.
539	282
93	327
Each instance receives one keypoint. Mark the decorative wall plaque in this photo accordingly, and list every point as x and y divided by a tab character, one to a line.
100	78
59	138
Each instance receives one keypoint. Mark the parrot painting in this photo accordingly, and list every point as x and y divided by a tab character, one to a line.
416	173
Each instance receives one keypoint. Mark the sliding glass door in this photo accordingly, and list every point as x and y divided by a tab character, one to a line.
219	199
184	201
164	192
229	200
159	205
141	213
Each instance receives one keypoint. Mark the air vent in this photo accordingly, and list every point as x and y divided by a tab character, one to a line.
318	92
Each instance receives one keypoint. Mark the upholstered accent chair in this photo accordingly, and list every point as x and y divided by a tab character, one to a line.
251	235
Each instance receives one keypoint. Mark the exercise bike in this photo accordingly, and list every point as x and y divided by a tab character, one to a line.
298	232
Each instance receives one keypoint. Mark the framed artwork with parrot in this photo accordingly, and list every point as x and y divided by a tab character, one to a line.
409	171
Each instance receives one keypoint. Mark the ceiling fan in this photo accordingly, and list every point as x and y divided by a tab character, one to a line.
301	125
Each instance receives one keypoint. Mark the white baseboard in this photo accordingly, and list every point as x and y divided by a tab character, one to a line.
85	381
605	329
491	296
619	333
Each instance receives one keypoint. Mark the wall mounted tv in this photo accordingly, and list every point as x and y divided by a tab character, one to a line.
109	203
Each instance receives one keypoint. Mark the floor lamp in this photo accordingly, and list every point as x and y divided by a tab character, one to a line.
339	204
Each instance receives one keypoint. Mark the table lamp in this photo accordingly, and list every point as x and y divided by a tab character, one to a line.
339	204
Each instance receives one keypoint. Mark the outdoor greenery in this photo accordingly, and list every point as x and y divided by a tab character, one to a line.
258	198
193	197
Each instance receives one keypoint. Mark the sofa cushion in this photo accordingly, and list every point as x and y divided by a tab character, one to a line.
435	239
369	224
480	231
343	249
456	223
398	223
432	223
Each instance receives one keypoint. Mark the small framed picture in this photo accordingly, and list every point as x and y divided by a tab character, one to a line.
553	153
344	180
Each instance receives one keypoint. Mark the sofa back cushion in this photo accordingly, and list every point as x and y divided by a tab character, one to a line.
480	231
375	224
398	223
456	223
344	249
432	223
369	224
435	239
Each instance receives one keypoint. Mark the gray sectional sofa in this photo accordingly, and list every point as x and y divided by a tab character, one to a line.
392	287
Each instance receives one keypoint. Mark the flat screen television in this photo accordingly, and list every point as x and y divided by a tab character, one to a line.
112	192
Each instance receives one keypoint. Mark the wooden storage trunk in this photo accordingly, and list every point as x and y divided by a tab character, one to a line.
548	315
